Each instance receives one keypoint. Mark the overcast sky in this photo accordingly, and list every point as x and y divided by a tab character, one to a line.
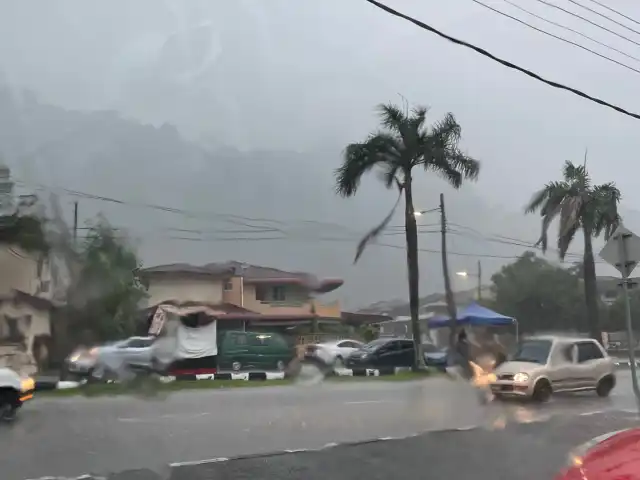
303	76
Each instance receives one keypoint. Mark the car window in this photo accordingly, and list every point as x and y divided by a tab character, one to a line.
239	339
533	351
138	343
429	348
588	351
266	340
405	345
375	344
348	344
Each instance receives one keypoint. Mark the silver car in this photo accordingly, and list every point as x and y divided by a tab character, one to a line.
112	357
548	364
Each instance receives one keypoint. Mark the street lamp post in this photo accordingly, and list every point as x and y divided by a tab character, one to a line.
478	275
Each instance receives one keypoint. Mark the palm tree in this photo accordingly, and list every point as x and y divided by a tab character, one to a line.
403	143
580	206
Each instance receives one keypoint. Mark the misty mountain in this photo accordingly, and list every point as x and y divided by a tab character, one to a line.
237	202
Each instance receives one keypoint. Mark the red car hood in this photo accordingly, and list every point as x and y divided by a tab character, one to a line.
616	458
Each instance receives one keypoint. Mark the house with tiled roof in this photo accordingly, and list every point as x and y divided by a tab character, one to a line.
246	295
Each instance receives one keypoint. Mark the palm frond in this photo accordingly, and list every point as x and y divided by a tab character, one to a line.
377	230
570	217
446	132
418	117
392	117
576	175
359	158
564	240
605	199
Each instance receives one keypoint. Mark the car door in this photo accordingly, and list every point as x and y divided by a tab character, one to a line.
386	355
406	354
347	347
138	351
563	371
234	351
589	361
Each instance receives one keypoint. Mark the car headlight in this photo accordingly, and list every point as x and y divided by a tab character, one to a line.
576	456
521	378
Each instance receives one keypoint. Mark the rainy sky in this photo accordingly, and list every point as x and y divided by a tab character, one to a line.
236	113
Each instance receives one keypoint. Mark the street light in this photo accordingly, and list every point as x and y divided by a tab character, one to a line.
478	275
419	213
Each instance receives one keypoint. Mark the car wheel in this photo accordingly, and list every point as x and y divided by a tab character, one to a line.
8	405
280	366
236	366
542	391
605	385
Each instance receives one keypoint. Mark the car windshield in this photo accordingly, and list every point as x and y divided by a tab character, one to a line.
534	351
430	348
375	344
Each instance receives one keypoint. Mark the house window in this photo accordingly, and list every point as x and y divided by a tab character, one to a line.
278	294
261	293
228	286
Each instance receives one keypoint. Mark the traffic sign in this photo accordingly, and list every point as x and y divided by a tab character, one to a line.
626	259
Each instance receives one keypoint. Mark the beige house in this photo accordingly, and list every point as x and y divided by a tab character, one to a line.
249	293
25	309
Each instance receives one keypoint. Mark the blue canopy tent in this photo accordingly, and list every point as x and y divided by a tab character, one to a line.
475	315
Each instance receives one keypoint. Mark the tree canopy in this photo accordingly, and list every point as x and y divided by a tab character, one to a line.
106	295
540	295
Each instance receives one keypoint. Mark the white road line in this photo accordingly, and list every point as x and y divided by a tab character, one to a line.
365	402
168	416
198	462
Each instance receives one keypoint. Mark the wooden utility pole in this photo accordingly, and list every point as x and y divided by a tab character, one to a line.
479	281
451	305
75	221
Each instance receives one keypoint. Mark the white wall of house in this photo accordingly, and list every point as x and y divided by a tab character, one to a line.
19	271
183	288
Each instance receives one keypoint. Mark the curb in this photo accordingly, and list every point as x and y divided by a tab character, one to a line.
369	372
44	384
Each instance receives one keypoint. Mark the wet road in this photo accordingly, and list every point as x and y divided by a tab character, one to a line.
73	436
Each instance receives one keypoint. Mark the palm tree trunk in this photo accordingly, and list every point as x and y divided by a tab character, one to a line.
590	287
411	232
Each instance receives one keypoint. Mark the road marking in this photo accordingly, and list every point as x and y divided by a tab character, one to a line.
168	416
365	402
198	462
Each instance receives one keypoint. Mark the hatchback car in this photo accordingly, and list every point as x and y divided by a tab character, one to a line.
545	365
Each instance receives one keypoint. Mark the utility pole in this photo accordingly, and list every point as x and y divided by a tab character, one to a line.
451	305
479	281
75	221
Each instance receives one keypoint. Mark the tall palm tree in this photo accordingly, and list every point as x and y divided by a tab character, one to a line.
403	143
579	206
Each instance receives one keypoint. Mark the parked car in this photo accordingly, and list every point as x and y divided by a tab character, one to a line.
381	353
239	351
14	391
434	356
611	456
99	361
545	365
333	353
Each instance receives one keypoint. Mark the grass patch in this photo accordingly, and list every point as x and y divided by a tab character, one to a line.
152	387
149	387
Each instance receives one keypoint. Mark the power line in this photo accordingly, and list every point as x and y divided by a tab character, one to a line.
577	32
615	11
584	19
604	16
557	37
505	63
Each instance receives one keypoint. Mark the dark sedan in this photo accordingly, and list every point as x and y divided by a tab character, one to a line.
382	353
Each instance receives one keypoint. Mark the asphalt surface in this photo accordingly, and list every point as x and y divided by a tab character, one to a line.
74	436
